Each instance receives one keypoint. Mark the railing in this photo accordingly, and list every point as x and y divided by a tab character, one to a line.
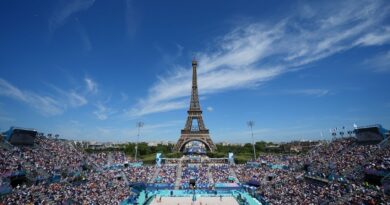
248	198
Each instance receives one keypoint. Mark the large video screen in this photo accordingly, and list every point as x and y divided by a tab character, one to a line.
22	137
368	134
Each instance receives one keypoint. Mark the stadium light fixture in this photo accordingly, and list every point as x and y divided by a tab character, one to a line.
139	125
251	123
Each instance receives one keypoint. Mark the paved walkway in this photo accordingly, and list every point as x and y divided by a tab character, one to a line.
178	175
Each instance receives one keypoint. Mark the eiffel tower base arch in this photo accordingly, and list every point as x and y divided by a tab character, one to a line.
203	138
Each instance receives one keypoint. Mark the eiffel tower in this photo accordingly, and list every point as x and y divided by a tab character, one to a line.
195	129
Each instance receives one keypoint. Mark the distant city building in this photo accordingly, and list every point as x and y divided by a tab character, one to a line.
152	144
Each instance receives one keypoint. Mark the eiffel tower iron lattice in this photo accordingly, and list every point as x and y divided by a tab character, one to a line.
194	129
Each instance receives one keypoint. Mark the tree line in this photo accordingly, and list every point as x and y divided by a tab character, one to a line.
167	149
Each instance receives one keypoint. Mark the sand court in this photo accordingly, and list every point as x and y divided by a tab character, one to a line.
226	200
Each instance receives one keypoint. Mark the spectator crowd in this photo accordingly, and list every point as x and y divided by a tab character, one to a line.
332	173
54	171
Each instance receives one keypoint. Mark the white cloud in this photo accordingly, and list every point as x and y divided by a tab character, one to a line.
210	109
45	104
92	86
150	131
382	36
169	57
313	92
130	18
84	36
255	53
123	96
75	99
102	111
63	12
157	107
50	105
70	98
380	63
154	127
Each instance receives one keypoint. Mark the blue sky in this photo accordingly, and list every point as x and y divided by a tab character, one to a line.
90	69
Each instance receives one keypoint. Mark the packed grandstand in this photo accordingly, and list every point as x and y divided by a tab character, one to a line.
57	171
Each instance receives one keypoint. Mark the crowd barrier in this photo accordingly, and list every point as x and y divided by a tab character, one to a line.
146	197
159	186
231	186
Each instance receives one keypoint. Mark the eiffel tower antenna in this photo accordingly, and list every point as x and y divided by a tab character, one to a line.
194	57
195	129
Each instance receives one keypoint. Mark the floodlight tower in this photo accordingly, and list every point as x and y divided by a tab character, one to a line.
139	125
251	123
